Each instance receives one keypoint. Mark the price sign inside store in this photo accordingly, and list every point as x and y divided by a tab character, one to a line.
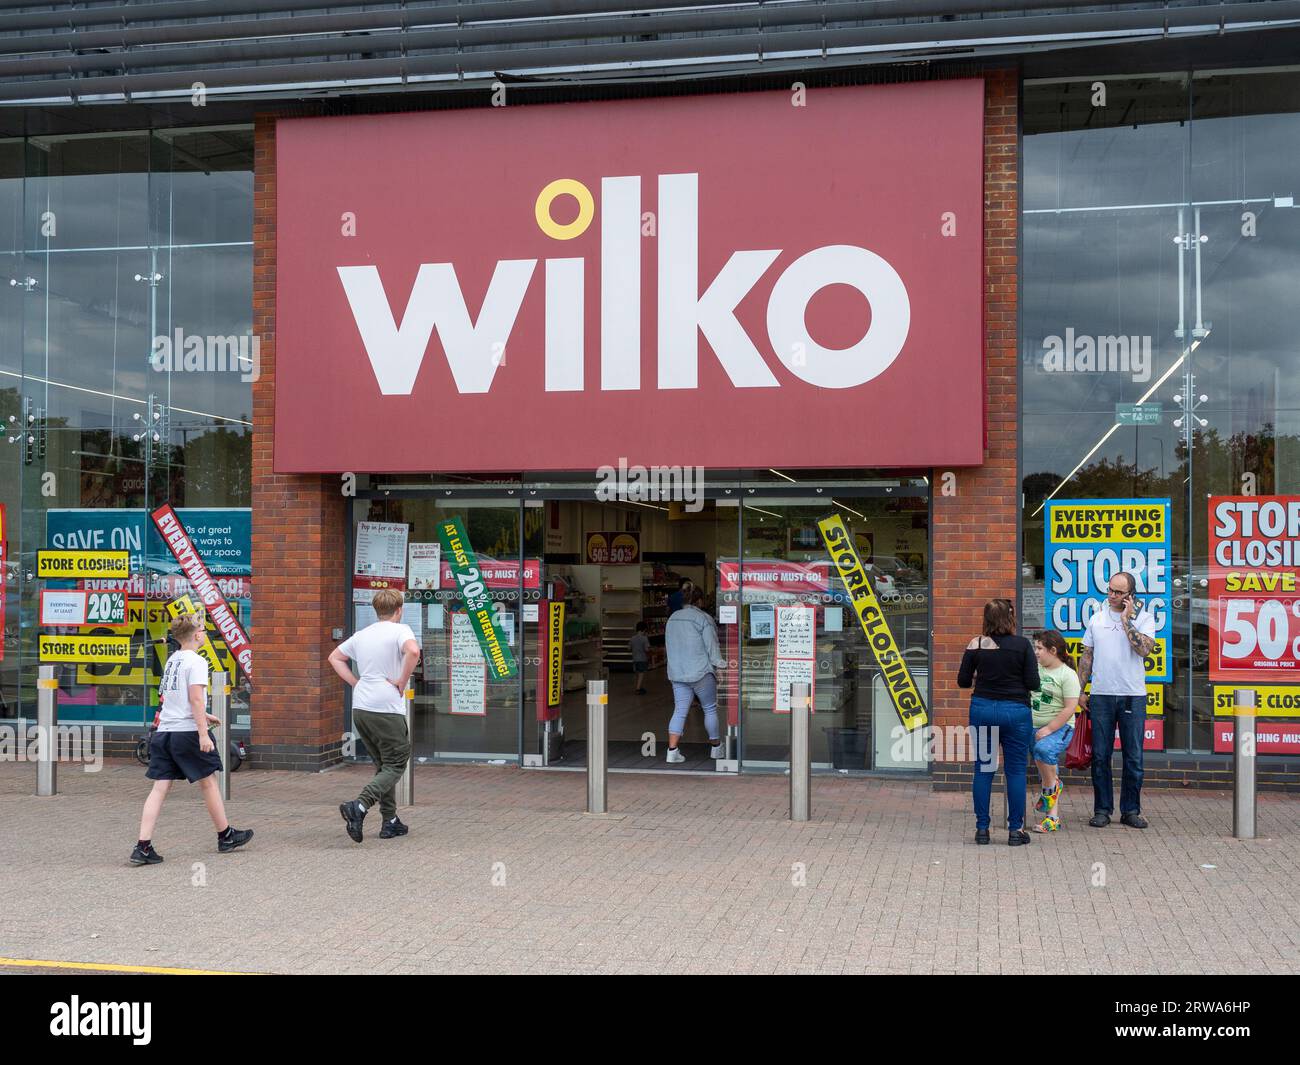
613	548
107	609
1255	588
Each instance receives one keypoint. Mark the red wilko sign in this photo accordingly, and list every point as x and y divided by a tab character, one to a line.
172	530
739	280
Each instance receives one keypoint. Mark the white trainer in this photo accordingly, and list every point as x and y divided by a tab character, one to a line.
675	756
720	751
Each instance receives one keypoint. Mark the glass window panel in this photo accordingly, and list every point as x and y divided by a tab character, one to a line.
785	565
1107	318
1246	175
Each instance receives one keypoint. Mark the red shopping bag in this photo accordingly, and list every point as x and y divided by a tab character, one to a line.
1079	754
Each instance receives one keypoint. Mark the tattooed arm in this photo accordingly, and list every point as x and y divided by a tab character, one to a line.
1085	675
1141	644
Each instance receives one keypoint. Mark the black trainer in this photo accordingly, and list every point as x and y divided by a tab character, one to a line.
140	856
981	835
353	815
237	838
1133	821
393	828
1099	820
1017	838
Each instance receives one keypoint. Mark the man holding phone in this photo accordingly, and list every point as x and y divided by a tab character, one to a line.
1115	645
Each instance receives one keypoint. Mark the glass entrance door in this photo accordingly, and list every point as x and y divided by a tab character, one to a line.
612	572
796	624
754	562
462	711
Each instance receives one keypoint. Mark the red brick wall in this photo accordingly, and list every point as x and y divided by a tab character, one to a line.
974	542
299	560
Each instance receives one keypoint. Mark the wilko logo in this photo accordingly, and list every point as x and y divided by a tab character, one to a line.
715	282
475	349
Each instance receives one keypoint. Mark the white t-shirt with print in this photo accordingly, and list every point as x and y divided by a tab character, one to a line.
182	669
377	651
1117	669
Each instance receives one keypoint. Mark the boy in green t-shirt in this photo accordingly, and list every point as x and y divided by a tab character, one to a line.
1053	707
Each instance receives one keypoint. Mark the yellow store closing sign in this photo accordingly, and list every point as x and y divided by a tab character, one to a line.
148	623
74	565
1155	700
100	649
893	667
555	654
1271	700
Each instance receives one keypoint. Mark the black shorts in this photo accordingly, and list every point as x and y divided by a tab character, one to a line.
640	667
176	756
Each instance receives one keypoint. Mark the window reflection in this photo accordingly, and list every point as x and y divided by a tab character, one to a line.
1165	215
115	240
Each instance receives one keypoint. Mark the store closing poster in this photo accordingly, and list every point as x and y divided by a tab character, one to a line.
1254	548
1087	541
1254	605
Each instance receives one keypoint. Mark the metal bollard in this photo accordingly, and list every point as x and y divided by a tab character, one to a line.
597	746
406	786
221	711
1243	764
800	752
47	721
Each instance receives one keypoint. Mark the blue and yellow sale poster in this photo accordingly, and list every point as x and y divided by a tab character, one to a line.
1088	540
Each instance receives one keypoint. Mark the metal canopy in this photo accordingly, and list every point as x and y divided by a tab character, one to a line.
159	52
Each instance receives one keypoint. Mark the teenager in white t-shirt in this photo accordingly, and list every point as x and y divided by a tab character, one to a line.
385	653
1115	645
182	748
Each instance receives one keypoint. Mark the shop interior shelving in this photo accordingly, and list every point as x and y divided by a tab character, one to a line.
620	610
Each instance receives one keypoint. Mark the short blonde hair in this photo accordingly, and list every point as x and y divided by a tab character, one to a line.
387	602
185	626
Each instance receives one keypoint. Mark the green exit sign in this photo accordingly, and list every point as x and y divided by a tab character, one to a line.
1138	413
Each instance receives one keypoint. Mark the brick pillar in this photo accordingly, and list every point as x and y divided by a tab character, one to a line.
299	525
974	538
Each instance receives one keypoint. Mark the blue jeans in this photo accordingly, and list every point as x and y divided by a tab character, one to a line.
706	688
1015	731
1130	713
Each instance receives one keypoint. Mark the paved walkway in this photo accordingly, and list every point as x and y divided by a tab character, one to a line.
502	872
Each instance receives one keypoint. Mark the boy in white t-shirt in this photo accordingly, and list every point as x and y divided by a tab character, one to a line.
385	653
182	748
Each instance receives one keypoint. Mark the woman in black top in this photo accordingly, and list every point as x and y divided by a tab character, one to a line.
1003	669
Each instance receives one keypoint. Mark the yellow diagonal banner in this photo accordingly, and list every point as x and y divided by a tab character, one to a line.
893	667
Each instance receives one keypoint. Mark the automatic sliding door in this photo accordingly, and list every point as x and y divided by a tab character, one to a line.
796	624
462	709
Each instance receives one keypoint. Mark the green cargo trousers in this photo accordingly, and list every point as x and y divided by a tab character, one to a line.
385	738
